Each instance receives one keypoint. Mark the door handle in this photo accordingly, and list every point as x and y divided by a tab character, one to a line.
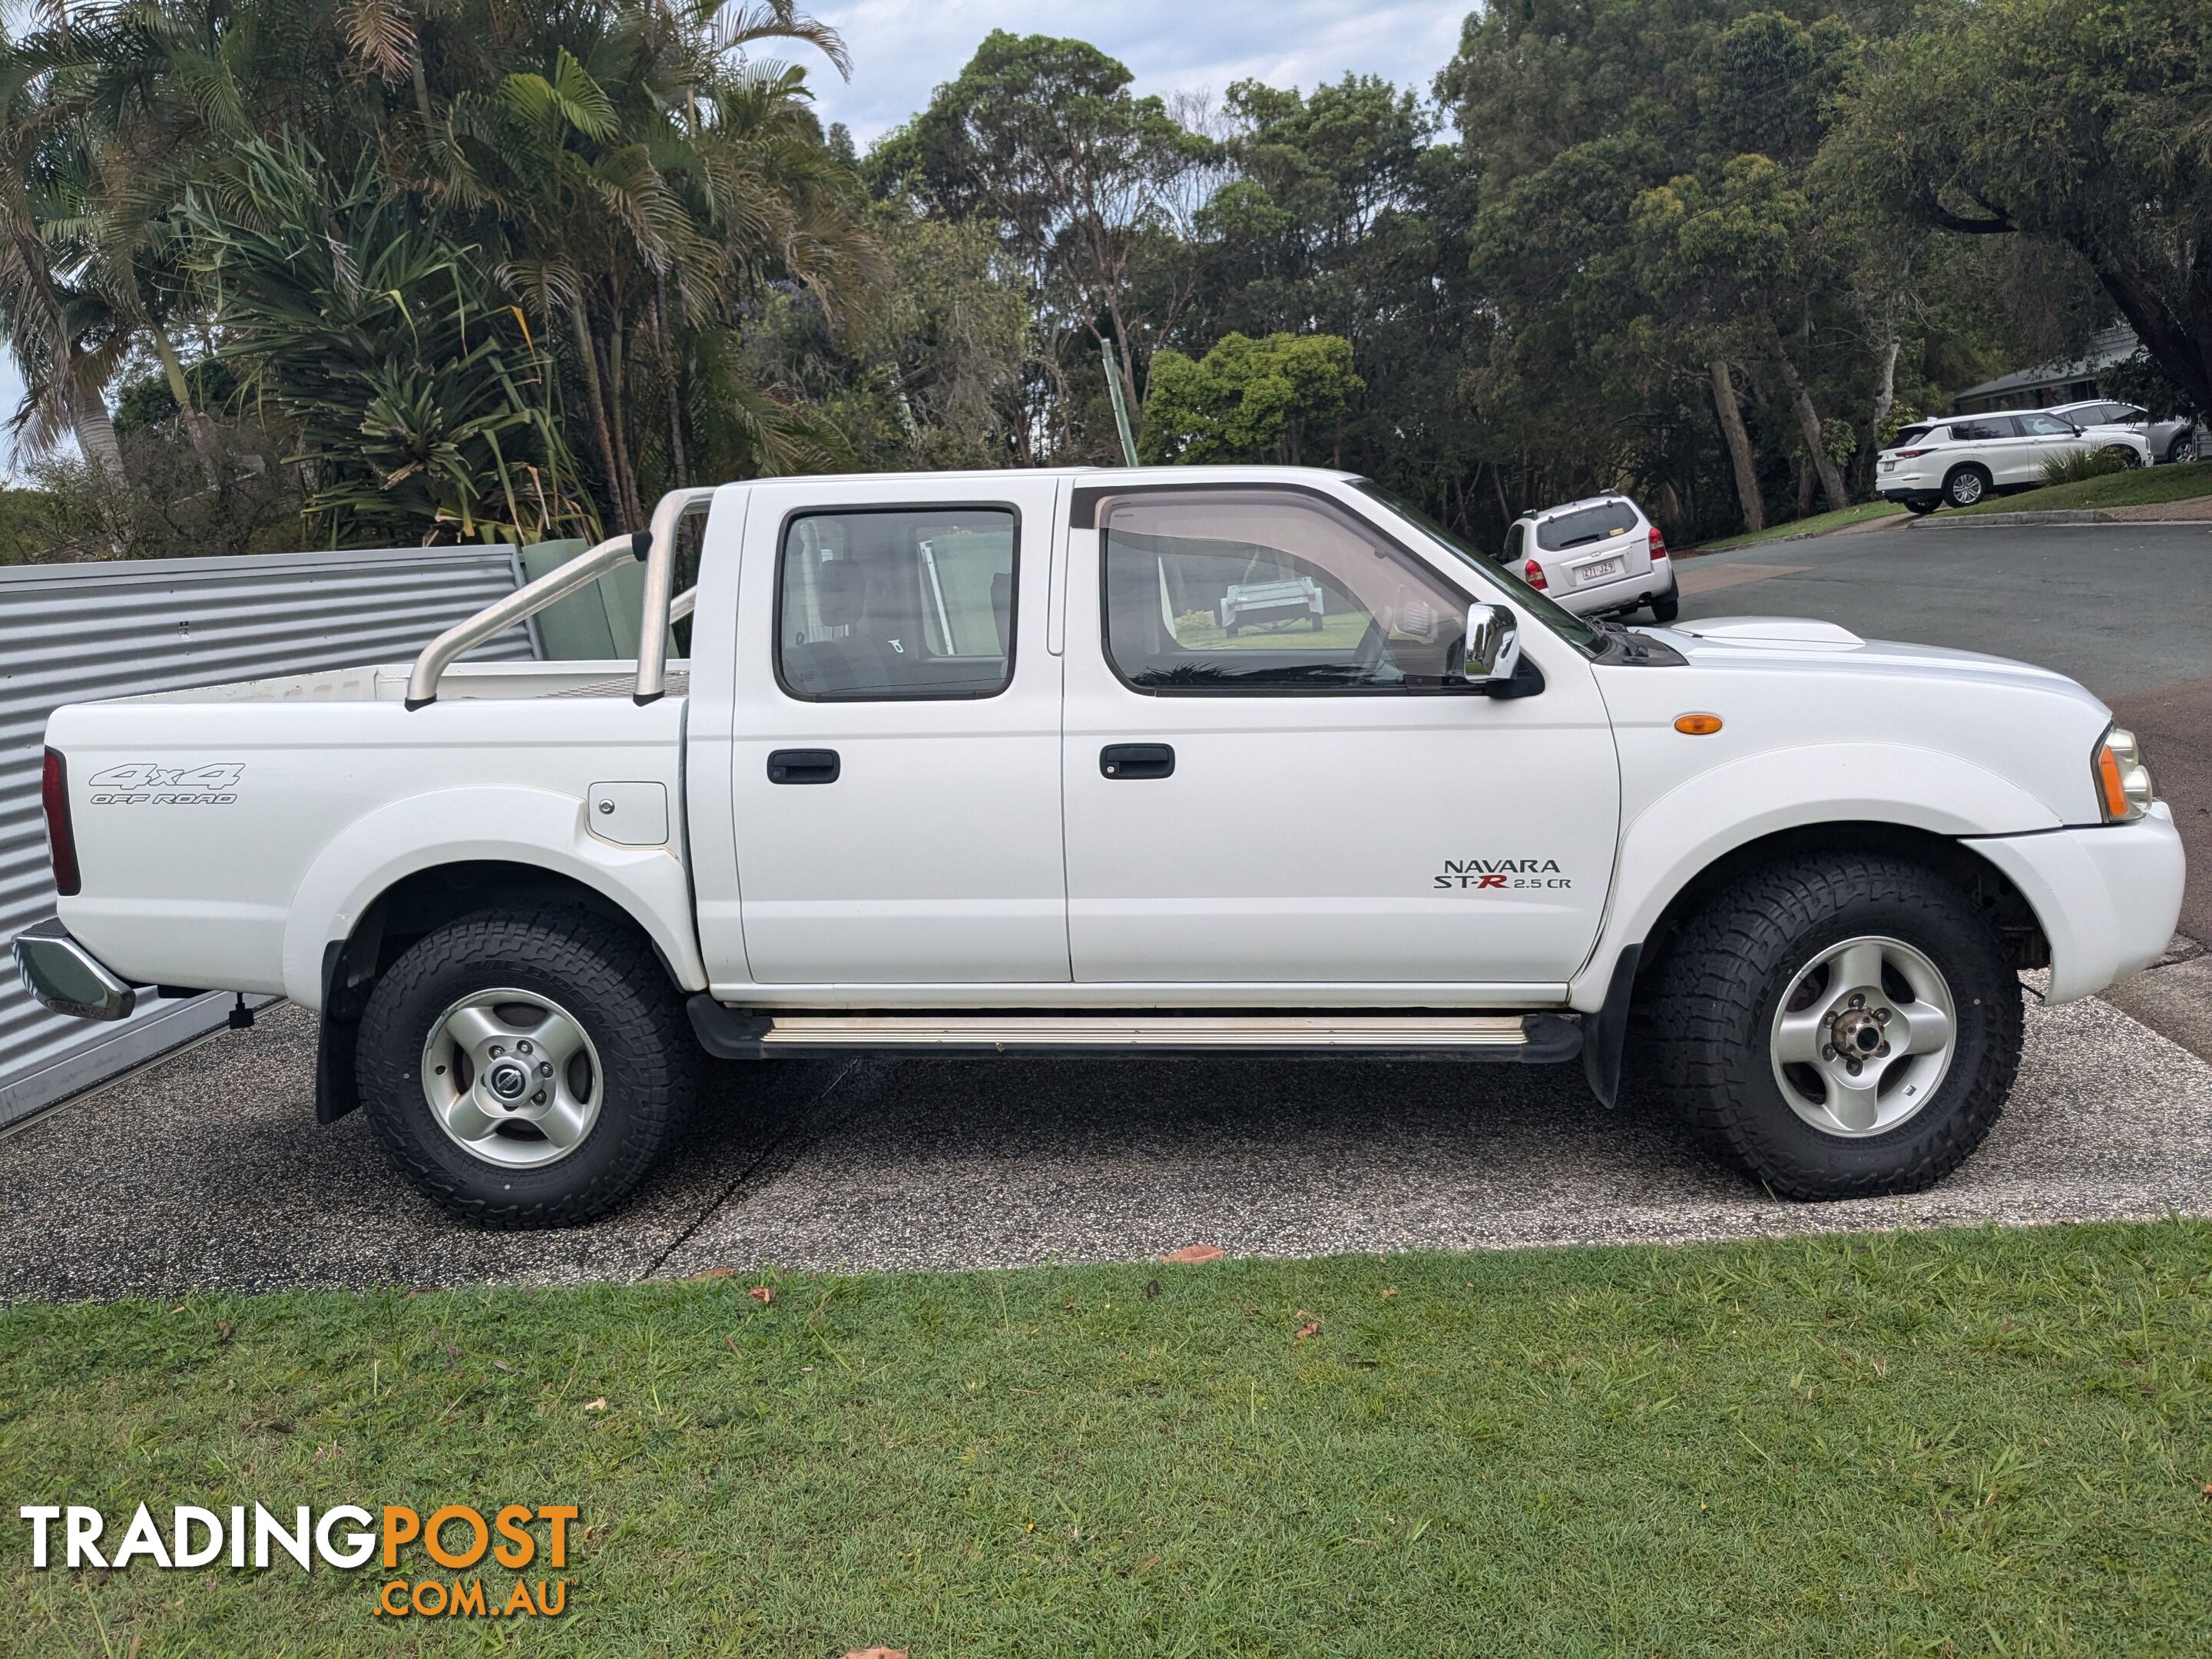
802	766
1136	760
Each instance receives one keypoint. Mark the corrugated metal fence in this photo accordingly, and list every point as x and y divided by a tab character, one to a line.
75	633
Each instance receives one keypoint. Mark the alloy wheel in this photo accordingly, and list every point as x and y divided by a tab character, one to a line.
513	1078
1864	1036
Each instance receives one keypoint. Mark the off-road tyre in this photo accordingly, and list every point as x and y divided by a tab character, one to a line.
1667	607
1966	485
609	979
1719	986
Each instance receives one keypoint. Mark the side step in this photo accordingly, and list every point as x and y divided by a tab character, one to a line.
738	1033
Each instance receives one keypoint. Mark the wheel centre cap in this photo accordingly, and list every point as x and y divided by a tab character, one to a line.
1859	1032
508	1079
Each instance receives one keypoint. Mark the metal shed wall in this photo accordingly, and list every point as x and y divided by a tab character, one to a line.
78	633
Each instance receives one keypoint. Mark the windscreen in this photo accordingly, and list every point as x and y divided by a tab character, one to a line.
1554	614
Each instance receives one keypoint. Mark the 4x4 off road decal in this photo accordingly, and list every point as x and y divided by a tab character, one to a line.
1501	875
142	783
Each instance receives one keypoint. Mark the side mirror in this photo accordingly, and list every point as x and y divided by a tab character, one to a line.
1493	645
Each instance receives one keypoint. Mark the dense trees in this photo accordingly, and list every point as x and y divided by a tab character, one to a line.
598	194
508	267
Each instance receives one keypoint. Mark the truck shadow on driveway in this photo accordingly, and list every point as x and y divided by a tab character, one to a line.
207	1172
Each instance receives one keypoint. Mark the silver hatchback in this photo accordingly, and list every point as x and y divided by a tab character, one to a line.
1594	556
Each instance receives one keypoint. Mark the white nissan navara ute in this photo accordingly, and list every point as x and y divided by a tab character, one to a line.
994	763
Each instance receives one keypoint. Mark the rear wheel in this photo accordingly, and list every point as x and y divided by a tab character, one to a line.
2183	448
1922	505
1839	1027
1667	607
1965	486
524	1070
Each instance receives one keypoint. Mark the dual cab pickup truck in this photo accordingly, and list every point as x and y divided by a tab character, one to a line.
969	763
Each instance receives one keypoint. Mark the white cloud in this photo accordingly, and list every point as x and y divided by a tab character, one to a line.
903	49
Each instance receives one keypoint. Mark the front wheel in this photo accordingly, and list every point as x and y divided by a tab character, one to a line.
1839	1027
525	1069
2124	454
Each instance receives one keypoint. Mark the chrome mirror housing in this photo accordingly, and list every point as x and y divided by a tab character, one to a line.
1493	645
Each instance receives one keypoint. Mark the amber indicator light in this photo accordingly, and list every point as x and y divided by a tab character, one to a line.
1697	725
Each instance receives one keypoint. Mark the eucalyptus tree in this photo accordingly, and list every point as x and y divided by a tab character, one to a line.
2082	124
1089	187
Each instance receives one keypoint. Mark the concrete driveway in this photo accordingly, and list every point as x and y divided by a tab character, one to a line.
207	1170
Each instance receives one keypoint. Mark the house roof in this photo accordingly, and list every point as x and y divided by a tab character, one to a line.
2106	346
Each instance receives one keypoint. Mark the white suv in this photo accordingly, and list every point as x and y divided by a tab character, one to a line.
1961	458
2170	441
1596	557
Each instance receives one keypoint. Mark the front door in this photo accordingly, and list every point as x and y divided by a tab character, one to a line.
2046	437
1274	776
896	752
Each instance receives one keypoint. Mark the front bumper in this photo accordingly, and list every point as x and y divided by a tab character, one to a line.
62	976
2108	896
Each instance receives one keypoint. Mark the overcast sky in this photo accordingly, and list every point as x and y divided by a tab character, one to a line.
903	48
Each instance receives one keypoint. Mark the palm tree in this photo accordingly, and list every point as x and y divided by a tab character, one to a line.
61	334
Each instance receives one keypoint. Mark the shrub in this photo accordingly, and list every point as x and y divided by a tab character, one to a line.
2082	465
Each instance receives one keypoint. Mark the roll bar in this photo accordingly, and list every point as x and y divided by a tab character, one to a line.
658	609
655	548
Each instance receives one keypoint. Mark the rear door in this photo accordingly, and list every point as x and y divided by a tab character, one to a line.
1994	442
896	753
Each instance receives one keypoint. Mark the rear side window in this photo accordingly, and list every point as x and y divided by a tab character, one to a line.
1585	526
1983	429
897	605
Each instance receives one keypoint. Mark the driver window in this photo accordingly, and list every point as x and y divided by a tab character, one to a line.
1261	590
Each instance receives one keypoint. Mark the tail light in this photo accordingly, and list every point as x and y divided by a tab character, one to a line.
1907	454
1658	543
1532	574
61	839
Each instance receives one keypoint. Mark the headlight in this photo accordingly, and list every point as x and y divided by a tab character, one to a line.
2123	786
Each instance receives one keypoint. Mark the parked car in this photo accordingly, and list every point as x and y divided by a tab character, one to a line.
1961	460
2167	441
966	763
1596	557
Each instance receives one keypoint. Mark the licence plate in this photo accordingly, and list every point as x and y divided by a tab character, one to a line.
1599	572
1889	466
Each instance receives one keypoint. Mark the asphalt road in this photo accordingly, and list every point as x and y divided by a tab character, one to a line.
207	1172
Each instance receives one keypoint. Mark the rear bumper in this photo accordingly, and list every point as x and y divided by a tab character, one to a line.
2108	896
1623	594
62	976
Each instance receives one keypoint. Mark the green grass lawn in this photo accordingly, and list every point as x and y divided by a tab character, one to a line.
1341	631
1818	524
2142	486
1921	1443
